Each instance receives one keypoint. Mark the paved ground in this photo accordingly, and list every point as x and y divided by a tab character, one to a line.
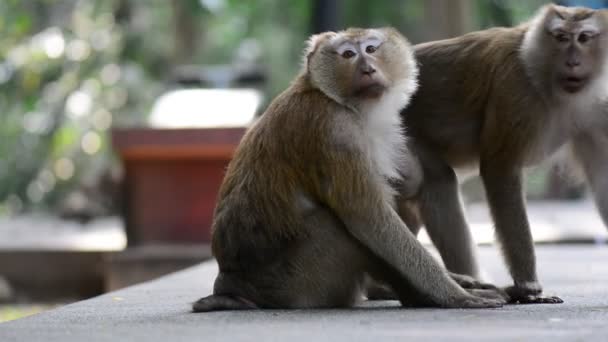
159	311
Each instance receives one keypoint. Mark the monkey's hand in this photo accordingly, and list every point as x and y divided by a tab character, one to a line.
494	294
479	299
480	288
529	293
468	282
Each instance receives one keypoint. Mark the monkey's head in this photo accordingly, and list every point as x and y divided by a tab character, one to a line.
360	65
566	47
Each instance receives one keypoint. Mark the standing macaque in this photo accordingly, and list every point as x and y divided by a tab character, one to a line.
497	101
305	213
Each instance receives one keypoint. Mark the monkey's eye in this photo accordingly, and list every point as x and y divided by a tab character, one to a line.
370	49
561	37
348	54
585	37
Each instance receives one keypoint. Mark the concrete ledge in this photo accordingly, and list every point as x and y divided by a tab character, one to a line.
159	311
135	265
71	275
53	275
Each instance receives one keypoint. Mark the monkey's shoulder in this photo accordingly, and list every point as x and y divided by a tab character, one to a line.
304	116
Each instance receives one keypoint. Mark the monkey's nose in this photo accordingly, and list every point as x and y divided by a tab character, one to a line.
368	69
573	63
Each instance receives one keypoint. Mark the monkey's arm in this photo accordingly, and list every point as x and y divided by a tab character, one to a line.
356	196
590	149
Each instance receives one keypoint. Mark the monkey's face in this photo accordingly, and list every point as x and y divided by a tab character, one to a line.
576	47
360	65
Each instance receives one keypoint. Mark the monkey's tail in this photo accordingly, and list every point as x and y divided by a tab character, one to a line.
217	302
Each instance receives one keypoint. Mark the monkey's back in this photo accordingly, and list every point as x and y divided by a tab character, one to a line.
458	78
256	221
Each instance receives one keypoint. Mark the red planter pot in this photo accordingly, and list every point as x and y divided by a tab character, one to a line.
172	177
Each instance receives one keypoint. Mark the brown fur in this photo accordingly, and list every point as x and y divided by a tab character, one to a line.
498	100
304	215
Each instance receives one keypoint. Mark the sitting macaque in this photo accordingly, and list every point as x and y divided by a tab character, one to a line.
306	210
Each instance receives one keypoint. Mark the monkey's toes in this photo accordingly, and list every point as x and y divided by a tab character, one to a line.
530	295
536	300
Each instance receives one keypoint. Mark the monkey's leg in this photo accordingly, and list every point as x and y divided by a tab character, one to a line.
381	291
324	268
342	262
408	295
505	198
410	214
444	219
407	267
590	149
363	206
337	257
327	268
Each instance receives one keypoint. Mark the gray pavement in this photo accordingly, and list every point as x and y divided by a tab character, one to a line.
159	311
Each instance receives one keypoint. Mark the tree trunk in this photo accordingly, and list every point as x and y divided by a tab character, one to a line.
325	15
447	18
186	32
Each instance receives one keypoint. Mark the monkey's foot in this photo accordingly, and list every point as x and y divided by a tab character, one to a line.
530	295
468	282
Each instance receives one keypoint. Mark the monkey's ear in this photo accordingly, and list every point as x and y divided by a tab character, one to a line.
547	17
552	12
313	43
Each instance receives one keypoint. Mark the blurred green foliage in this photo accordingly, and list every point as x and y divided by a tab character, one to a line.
66	76
72	69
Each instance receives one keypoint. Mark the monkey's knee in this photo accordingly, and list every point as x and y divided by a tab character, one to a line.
412	177
409	212
335	277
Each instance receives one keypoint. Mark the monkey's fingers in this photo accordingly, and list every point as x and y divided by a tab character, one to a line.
536	300
494	294
529	296
476	302
468	282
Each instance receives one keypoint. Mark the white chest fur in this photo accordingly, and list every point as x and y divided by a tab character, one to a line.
573	116
385	135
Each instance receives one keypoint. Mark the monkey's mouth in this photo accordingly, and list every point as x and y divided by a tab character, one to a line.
370	90
573	84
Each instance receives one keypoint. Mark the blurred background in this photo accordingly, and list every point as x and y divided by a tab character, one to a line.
109	109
